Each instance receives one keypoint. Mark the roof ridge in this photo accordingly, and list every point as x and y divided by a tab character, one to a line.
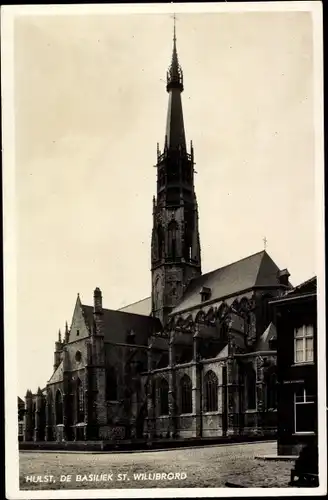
121	312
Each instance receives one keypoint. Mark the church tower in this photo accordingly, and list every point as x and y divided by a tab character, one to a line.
175	256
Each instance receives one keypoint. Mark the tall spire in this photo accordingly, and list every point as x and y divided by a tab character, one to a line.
175	133
175	246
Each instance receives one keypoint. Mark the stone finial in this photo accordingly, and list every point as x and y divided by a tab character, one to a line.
66	333
59	336
97	300
39	392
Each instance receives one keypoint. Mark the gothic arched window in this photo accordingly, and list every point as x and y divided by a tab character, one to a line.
33	415
79	401
172	239
59	407
160	240
111	384
186	394
250	385
271	391
164	397
211	391
49	407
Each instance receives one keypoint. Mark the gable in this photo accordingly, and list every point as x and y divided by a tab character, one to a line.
79	327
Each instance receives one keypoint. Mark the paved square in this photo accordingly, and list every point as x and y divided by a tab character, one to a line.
208	467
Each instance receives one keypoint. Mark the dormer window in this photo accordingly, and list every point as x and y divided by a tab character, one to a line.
130	338
283	277
205	293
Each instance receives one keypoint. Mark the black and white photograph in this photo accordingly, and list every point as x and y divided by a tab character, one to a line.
164	295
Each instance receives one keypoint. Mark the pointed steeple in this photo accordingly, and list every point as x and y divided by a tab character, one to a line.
175	133
174	74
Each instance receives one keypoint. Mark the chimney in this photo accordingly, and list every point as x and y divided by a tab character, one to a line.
97	301
283	277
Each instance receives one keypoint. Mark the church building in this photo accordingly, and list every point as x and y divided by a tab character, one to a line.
196	359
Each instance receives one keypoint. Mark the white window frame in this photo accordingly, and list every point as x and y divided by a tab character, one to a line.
303	333
305	401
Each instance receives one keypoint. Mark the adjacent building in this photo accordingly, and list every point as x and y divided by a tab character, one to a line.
296	323
21	411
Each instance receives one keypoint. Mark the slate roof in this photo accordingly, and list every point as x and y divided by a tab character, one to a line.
254	271
117	324
141	307
307	286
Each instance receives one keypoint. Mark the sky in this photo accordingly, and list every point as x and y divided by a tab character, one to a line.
90	106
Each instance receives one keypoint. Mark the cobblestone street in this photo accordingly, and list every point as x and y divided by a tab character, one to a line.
208	467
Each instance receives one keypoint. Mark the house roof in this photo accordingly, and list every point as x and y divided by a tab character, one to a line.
254	271
117	324
20	401
307	286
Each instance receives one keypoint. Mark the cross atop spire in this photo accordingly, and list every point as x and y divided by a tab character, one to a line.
174	32
174	74
265	241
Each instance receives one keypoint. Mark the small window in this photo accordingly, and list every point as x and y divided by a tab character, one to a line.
303	344
78	356
305	412
205	294
77	333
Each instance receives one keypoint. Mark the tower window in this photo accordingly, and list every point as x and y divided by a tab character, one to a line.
160	240
172	239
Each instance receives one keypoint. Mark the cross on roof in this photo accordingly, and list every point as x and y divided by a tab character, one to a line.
265	241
